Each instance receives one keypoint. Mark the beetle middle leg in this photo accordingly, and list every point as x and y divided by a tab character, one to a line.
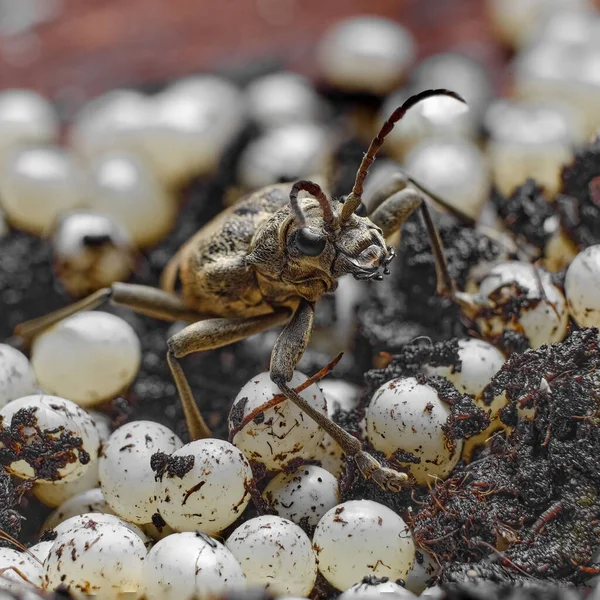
285	356
143	299
209	335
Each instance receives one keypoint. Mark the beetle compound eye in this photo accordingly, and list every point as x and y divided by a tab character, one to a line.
309	243
361	210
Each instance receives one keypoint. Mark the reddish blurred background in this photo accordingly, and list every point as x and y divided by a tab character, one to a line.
71	50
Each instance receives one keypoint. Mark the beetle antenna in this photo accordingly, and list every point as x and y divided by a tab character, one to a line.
314	190
355	196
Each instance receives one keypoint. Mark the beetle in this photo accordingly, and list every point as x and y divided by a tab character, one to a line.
264	262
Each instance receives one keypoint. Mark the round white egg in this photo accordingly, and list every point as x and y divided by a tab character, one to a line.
366	54
114	121
126	477
59	420
89	357
581	287
284	432
408	416
276	554
18	568
479	362
91	251
17	378
360	538
125	187
303	496
37	183
204	486
90	501
544	321
285	153
186	566
95	519
41	550
531	140
282	98
423	570
25	118
103	560
56	493
193	122
455	169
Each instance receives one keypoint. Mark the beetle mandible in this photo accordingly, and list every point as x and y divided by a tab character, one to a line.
264	262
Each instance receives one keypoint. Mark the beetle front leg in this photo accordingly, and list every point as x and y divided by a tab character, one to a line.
208	335
288	350
393	213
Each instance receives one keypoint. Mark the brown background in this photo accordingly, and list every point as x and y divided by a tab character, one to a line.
96	45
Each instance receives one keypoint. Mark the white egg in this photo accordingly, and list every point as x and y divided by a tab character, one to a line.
90	501
103	424
366	54
303	496
282	98
284	153
103	560
203	486
25	118
531	140
456	170
561	72
581	287
479	362
283	433
124	186
89	357
92	520
18	568
424	568
186	566
361	538
435	117
339	394
114	121
459	72
91	251
126	477
330	456
276	554
67	428
368	591
41	550
542	315
37	183
56	493
17	378
517	20
193	122
407	416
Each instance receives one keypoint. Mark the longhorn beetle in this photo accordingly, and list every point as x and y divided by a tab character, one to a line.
264	262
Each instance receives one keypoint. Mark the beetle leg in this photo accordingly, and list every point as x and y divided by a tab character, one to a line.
285	356
142	299
391	215
208	335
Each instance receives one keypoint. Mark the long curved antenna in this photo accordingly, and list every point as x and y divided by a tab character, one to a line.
355	196
314	190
